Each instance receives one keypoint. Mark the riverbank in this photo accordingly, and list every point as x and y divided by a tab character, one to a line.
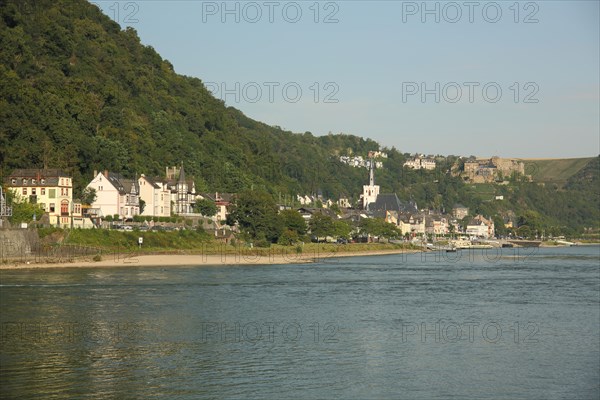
248	257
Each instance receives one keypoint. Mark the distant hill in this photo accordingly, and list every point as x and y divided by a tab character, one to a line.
557	170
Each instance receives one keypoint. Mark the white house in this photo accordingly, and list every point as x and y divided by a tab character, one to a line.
156	195
115	195
419	162
304	200
344	202
481	227
413	224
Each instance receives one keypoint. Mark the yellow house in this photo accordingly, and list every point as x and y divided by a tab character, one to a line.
52	189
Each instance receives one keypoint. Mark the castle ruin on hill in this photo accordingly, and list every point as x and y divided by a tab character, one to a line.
477	170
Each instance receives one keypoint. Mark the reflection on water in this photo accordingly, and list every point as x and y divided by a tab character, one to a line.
417	326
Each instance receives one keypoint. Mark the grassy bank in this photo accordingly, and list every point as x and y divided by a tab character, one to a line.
191	242
128	241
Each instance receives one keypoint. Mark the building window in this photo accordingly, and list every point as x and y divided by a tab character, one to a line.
43	181
51	207
24	191
24	181
14	181
64	207
33	181
33	191
43	191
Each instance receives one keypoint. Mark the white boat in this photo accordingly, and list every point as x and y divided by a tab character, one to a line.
565	243
467	244
460	244
481	246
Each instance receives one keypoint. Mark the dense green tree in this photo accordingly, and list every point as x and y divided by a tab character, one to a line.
321	225
88	196
341	229
335	208
499	227
379	227
288	237
257	216
205	207
23	211
293	221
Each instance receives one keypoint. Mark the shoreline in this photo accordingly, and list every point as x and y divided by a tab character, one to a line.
119	260
202	260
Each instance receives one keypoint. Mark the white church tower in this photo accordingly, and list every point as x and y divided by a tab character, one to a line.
370	191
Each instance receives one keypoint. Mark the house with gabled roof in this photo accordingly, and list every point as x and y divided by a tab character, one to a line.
156	196
481	227
52	189
413	224
115	195
459	211
222	201
183	190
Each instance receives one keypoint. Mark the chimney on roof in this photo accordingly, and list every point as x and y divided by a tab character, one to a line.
95	173
106	173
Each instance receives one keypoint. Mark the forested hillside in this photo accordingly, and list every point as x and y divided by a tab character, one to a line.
77	92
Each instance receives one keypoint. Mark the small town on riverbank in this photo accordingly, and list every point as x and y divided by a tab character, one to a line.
143	208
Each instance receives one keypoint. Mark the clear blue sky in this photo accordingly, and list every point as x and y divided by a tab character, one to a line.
379	55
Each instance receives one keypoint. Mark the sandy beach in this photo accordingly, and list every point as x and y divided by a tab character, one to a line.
175	260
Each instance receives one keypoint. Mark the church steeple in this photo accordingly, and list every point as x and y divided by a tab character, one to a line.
370	191
182	193
181	175
371	172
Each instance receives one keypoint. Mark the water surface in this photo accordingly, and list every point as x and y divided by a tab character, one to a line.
517	324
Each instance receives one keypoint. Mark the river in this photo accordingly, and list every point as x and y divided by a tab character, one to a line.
509	323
